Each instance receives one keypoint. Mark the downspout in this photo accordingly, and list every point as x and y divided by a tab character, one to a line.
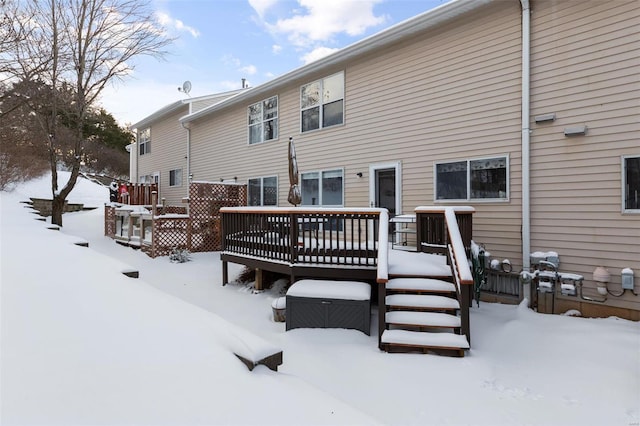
136	178
188	157
526	132
188	154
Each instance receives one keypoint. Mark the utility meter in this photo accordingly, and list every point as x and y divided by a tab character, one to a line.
627	279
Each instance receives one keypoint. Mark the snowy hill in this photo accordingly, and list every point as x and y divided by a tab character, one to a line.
83	344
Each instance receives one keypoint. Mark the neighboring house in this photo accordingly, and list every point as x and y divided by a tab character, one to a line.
161	152
527	110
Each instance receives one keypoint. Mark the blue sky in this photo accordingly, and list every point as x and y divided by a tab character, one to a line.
219	42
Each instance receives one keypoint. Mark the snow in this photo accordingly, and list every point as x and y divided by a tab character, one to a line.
416	264
405	337
458	247
420	284
422	301
343	290
83	344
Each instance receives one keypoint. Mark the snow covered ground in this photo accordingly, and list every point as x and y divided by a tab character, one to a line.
83	344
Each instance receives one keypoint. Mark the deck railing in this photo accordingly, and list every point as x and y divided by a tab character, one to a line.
457	252
138	194
431	229
313	237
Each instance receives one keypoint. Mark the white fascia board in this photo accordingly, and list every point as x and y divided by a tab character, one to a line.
392	34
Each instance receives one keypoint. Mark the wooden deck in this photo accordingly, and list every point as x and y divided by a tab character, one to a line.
423	296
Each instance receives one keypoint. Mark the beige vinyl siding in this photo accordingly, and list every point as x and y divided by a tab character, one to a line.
168	151
585	62
449	94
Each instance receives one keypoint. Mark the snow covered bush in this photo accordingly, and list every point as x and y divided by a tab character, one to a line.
179	255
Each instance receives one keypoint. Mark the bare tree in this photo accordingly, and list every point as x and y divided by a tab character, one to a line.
77	47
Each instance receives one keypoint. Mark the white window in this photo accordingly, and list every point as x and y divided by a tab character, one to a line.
631	184
477	179
154	178
263	191
322	103
263	120
144	141
323	188
175	177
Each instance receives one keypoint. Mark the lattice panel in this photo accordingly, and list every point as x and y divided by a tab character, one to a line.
169	233
205	202
109	221
174	210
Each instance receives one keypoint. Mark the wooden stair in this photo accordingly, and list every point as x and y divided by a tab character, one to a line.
421	314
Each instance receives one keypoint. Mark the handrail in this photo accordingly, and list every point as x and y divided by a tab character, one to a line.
301	210
455	239
383	247
460	269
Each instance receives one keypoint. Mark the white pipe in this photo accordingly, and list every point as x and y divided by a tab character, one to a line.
526	131
188	157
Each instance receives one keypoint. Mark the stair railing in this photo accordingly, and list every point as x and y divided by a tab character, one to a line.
383	270
460	269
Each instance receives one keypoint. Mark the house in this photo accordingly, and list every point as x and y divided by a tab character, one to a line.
527	110
168	164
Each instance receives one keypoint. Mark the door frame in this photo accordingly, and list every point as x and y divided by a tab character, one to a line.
397	165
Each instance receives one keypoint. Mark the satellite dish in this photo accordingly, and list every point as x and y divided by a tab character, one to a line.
186	87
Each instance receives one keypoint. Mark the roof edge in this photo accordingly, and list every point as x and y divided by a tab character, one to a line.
404	29
177	104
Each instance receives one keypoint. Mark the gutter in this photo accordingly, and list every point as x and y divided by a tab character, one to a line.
526	134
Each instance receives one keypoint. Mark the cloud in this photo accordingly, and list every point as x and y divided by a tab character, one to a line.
248	69
317	53
276	48
169	22
320	21
261	6
231	60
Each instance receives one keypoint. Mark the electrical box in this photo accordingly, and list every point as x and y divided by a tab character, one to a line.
627	279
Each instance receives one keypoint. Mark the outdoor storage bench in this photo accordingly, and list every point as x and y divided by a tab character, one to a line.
329	304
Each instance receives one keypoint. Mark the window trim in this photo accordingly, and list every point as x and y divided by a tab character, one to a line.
150	178
262	121
320	172
506	199
623	183
144	144
262	178
173	172
321	104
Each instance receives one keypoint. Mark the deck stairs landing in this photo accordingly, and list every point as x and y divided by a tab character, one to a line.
421	313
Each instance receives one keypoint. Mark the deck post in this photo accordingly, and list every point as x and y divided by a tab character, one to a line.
225	272
382	304
259	279
293	238
154	202
464	312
